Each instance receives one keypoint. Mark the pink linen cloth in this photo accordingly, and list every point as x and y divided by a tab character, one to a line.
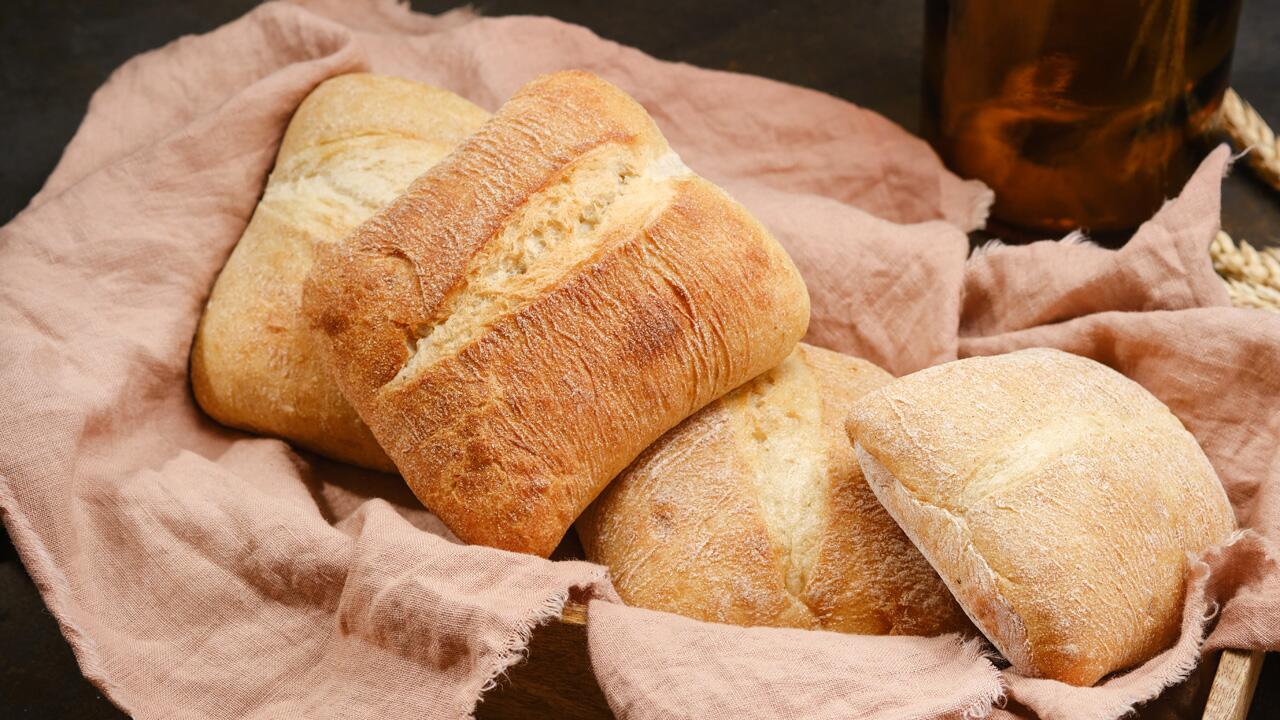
198	572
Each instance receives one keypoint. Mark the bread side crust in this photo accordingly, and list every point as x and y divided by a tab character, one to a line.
944	539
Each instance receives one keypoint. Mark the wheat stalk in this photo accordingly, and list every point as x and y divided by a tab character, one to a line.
1252	275
1247	129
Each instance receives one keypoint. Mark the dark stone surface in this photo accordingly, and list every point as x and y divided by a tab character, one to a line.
55	53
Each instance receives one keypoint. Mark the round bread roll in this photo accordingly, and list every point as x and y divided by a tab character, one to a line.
1058	499
754	512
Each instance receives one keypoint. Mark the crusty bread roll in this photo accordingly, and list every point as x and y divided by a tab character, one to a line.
545	303
1057	498
754	512
353	145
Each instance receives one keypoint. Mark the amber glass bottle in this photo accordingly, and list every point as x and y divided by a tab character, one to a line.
1078	113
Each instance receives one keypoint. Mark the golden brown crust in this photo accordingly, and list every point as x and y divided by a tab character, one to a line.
354	144
681	532
1057	498
754	512
545	303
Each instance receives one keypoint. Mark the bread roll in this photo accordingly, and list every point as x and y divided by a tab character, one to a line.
545	303
354	144
754	512
1057	498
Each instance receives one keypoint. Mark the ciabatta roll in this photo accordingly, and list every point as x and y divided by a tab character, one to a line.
545	303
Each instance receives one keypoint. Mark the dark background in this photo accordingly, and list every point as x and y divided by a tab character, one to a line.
55	53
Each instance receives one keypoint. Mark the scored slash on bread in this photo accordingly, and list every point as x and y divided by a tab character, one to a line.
1057	498
754	512
542	305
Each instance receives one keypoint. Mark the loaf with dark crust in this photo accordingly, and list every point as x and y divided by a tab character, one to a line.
545	303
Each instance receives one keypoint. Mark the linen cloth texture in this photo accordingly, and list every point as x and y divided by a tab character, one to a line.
199	572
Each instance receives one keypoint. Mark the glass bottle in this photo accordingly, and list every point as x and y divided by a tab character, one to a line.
1078	113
